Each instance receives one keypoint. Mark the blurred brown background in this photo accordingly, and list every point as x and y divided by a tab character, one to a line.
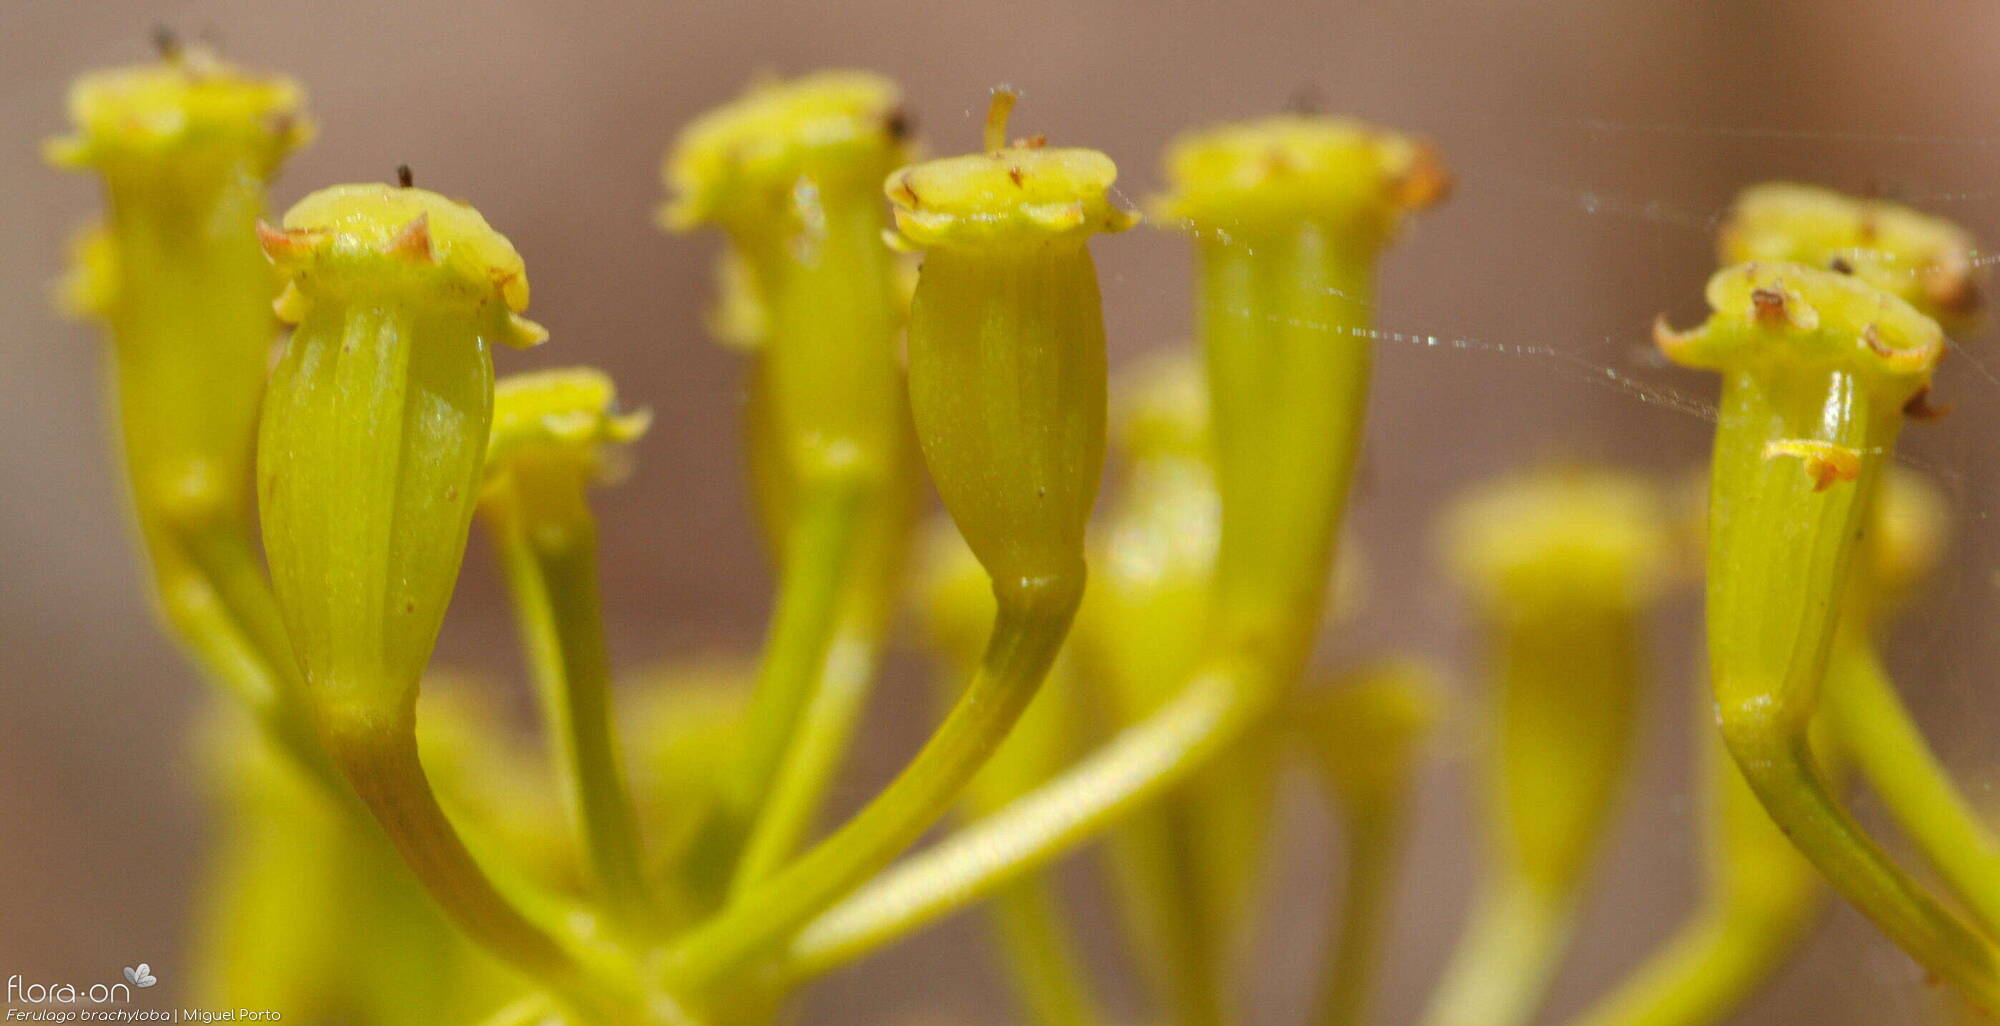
1594	143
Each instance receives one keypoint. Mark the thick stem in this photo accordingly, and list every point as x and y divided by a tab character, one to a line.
383	767
191	323
812	761
827	403
1033	830
548	546
1029	629
1284	321
1284	324
1567	686
1785	776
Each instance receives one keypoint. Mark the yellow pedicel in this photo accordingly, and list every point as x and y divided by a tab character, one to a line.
1923	259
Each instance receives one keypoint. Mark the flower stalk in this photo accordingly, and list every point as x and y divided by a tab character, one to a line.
1289	216
1928	262
1817	369
551	438
1007	383
370	458
1045	969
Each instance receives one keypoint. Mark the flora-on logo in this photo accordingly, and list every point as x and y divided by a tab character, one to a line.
22	992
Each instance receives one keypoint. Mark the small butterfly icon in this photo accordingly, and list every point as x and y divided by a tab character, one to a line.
140	976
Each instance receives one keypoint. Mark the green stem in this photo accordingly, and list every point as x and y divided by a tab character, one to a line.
796	651
384	769
1032	621
1784	774
1502	969
548	548
1140	763
1374	839
1875	726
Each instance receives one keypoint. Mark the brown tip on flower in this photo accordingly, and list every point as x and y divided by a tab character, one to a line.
898	124
414	243
283	244
1825	462
1953	291
1919	407
404	178
1769	306
1425	183
1666	337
